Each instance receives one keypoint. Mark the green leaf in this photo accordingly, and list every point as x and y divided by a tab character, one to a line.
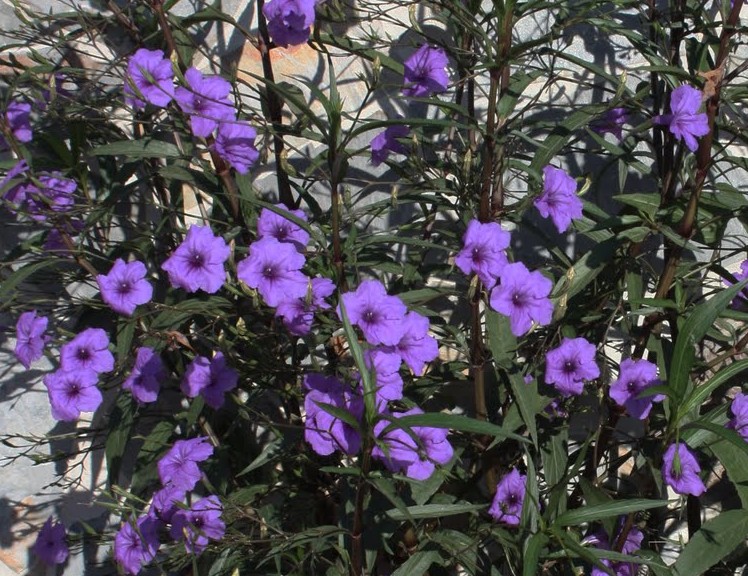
587	268
526	396
139	149
600	511
120	430
433	511
702	392
735	463
531	556
563	133
501	341
10	283
715	540
725	433
418	564
454	422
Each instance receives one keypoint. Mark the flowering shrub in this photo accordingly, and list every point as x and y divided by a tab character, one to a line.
491	334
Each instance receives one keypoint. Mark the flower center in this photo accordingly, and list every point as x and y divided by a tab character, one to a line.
370	316
281	232
83	354
477	254
518	299
269	272
570	366
124	287
196	260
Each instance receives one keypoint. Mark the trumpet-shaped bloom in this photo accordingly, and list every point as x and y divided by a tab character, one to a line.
633	543
523	297
197	264
30	338
144	382
612	122
89	350
509	498
380	317
73	392
417	347
298	313
324	432
634	377
206	100
235	143
289	21
386	142
681	470
570	364
209	378
275	225
179	468
199	525
482	251
16	118
135	546
274	269
50	546
739	410
55	194
125	287
150	76
684	121
425	72
559	199
385	366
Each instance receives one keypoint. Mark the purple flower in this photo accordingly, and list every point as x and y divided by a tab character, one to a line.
416	347
741	298
197	264
633	543
523	297
509	498
739	420
136	545
380	317
30	337
50	545
165	502
209	378
89	350
289	21
178	467
634	377
482	251
612	122
199	524
235	143
150	76
125	287
425	72
298	314
415	458
206	101
324	432
385	367
559	199
681	470
684	121
15	194
55	194
16	119
272	224
54	241
273	268
386	142
145	379
570	364
73	392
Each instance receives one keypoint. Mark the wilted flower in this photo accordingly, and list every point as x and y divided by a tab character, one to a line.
298	313
509	498
379	316
30	337
612	122
235	143
199	524
125	287
179	468
73	392
289	21
385	142
739	410
144	382
275	225
135	546
209	378
89	350
482	251
151	76
197	264
684	121
425	72
206	100
16	120
634	377
50	545
324	432
681	470
570	364
523	297
559	199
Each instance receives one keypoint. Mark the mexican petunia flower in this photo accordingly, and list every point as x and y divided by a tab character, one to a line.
482	251
89	350
165	502
14	194
72	392
635	376
509	498
30	338
272	224
380	317
416	347
523	297
50	546
324	432
235	143
741	298
612	122
570	364
211	379
739	410
684	121
385	366
54	194
197	264
681	470
416	458
206	101
150	76
386	142
199	525
144	382
135	545
274	269
559	199
289	21
16	119
633	543
425	72
298	313
178	467
125	287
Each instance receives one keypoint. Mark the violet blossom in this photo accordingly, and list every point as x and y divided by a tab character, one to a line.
50	545
30	338
206	100
417	347
15	194
298	313
634	377
482	253
386	142
72	392
165	502
380	317
199	525
89	350
684	121
740	301
135	545
385	367
570	364
632	543
197	264
150	76
235	143
275	225
125	287
54	193
16	120
739	411
178	467
324	432
507	503
680	470
211	379
425	72
289	21
523	297
144	382
612	122
559	199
